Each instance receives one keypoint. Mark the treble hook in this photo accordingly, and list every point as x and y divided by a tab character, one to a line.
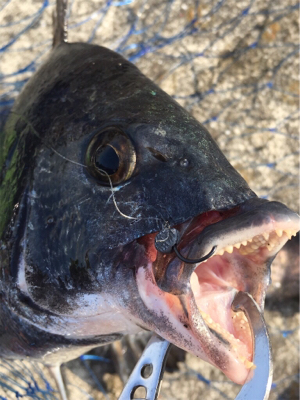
166	242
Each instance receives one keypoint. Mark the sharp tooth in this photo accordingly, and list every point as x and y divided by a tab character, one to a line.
289	233
229	249
248	364
250	240
244	243
266	236
221	252
254	246
238	245
279	232
257	238
244	251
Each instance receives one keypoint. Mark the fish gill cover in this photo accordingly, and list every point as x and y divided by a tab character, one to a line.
233	66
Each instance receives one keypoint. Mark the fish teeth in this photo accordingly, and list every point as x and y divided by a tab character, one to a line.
244	251
289	234
227	335
266	239
229	249
266	236
255	243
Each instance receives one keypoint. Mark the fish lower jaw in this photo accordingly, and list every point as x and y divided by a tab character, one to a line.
239	266
191	304
213	303
241	350
178	320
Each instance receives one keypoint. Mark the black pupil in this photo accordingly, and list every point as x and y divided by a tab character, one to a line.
107	160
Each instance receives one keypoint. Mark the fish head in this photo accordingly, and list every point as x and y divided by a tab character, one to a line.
100	161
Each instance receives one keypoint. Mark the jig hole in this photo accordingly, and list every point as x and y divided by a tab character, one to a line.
146	371
138	392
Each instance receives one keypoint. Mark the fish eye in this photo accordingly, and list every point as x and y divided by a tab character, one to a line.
107	159
111	157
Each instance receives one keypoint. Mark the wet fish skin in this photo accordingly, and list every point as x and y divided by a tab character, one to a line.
57	103
69	258
55	218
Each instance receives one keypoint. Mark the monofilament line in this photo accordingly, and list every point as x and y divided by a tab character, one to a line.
80	165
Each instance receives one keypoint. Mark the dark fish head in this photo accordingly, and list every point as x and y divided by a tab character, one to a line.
96	161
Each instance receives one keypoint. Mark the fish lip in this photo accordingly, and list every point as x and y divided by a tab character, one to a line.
246	222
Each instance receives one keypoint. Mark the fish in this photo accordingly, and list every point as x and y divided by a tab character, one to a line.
97	162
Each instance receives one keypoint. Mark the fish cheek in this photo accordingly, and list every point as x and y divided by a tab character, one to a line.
46	294
55	235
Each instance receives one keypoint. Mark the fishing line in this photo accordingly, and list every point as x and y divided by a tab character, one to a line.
35	132
113	196
110	184
108	177
67	159
165	241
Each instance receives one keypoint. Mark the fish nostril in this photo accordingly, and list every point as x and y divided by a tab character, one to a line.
50	220
157	154
184	162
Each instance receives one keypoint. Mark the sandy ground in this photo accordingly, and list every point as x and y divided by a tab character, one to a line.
238	73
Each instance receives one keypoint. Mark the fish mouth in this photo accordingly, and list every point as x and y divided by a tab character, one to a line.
191	303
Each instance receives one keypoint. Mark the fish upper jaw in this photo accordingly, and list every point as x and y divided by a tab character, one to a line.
191	305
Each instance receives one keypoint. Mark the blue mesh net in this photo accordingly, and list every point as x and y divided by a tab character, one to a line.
233	65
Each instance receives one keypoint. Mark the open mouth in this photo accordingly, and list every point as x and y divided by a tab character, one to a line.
194	300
